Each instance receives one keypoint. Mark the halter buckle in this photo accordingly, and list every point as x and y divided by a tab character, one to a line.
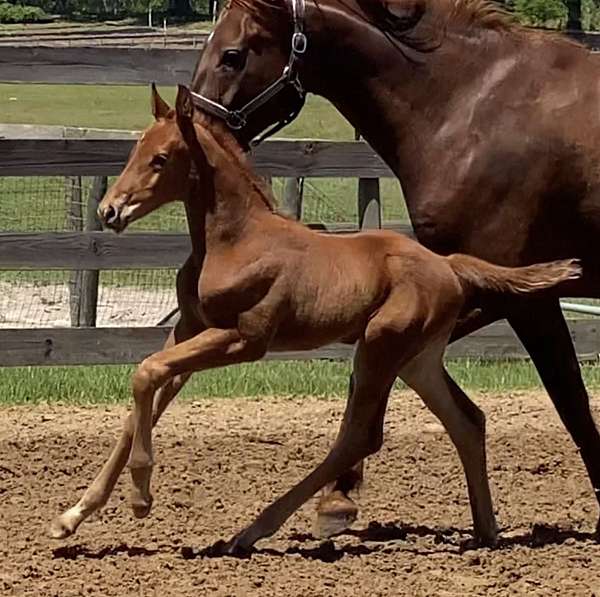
236	120
299	43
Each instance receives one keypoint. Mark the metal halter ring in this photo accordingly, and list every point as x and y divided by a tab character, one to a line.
299	43
236	120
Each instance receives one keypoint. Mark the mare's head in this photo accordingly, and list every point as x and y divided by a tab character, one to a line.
158	168
247	51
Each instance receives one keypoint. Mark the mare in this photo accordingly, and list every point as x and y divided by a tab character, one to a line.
492	129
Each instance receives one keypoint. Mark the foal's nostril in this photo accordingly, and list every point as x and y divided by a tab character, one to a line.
111	215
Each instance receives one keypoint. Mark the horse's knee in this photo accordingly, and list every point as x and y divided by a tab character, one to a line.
148	377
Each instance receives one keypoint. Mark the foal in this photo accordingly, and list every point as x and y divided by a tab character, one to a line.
264	282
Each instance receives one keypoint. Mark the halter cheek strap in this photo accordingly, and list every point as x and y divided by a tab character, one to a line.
238	119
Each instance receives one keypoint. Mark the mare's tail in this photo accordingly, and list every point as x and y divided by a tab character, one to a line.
478	275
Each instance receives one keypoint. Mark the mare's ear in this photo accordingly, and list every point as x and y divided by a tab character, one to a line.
184	105
160	108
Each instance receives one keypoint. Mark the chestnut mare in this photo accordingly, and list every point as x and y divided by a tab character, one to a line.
492	129
257	281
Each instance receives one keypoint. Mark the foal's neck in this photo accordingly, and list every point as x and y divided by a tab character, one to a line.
229	199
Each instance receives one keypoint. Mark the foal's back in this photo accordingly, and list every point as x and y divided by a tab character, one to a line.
337	283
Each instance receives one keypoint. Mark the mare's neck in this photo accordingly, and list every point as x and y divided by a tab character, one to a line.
398	105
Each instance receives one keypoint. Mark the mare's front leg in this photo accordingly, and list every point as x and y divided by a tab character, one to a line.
210	349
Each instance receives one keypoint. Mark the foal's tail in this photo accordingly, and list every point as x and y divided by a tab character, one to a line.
476	274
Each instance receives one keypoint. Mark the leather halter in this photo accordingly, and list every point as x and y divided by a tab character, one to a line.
238	119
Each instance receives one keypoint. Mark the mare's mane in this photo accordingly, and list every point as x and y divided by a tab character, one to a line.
384	14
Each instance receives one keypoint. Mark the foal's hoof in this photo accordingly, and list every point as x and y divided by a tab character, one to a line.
233	548
61	528
336	513
141	508
598	531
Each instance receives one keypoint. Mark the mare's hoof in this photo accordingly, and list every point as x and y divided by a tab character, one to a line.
490	541
336	513
60	528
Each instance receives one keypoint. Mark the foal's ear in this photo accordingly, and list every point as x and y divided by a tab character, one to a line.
160	108
184	106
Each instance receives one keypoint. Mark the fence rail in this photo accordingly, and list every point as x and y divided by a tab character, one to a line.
97	157
102	346
128	66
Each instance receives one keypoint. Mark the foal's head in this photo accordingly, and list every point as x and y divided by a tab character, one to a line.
158	168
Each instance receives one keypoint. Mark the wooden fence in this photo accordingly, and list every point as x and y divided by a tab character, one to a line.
130	66
69	152
74	152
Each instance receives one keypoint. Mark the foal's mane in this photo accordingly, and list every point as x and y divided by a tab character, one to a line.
235	156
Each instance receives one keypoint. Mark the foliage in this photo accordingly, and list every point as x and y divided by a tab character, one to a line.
541	12
554	13
17	13
120	8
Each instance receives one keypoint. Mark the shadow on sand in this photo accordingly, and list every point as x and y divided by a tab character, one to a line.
375	538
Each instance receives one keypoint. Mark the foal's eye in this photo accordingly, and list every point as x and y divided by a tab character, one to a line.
234	59
158	161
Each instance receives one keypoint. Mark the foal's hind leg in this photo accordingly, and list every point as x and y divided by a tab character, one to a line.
547	340
361	434
464	423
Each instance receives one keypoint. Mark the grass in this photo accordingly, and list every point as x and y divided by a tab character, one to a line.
127	107
102	384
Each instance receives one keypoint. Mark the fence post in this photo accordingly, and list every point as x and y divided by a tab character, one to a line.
84	284
293	195
369	200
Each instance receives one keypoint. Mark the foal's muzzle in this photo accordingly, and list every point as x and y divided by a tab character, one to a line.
111	217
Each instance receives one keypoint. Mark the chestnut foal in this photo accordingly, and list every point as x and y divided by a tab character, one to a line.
262	282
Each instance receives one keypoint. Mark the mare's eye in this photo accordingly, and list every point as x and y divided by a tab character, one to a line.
234	59
158	161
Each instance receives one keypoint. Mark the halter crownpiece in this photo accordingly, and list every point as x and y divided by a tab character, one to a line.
238	119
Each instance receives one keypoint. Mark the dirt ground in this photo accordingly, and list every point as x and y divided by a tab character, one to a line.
220	461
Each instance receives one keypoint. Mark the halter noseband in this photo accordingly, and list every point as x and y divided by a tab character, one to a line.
238	119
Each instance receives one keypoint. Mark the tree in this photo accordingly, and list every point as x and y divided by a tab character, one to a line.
574	15
180	8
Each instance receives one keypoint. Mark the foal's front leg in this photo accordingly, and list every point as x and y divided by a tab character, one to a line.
209	349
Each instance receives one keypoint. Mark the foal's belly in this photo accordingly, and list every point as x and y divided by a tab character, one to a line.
327	313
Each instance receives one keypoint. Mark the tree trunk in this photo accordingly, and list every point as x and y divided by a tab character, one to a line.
574	18
180	8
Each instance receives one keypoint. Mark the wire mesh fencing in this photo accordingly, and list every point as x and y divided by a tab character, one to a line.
53	298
